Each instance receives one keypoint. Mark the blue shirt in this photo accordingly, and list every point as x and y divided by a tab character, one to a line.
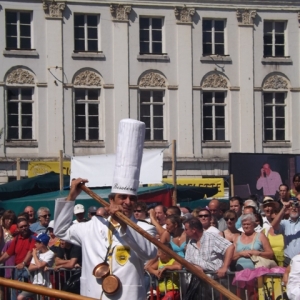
291	232
37	228
238	223
247	263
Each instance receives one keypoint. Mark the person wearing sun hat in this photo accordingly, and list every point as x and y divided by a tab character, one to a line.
41	257
128	250
269	206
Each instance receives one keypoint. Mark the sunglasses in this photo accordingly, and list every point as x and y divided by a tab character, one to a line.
203	216
231	219
137	210
24	226
45	216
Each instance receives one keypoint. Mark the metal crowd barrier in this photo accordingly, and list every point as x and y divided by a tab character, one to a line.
57	279
267	287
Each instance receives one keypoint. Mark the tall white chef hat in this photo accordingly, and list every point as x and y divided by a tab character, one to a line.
128	157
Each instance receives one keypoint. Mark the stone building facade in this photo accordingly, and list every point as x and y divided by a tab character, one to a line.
216	76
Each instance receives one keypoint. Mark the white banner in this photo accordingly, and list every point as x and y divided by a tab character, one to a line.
99	169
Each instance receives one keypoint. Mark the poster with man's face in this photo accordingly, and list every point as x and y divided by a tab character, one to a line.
262	174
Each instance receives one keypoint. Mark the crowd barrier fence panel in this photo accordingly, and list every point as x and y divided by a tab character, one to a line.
267	287
57	279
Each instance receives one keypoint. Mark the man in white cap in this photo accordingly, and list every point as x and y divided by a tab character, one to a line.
127	249
79	214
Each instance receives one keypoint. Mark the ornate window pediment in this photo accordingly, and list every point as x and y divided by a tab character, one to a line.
215	81
246	16
184	14
120	12
53	9
87	78
20	76
152	79
275	82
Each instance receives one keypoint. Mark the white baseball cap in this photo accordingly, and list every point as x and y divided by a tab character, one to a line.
78	209
51	224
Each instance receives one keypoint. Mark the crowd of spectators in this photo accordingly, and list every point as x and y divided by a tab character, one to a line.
220	237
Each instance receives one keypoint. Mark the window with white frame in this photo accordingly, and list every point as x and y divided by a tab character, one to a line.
151	35
274	116
18	30
213	37
19	113
86	33
87	103
274	38
214	116
152	114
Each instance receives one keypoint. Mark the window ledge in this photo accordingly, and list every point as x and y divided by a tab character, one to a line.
216	144
161	57
27	53
156	144
21	143
276	144
89	144
277	60
216	58
99	55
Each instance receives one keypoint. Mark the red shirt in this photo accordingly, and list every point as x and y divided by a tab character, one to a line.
20	247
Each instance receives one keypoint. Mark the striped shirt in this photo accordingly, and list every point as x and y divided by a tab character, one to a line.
210	255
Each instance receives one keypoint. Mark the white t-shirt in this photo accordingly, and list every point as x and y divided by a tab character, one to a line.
266	224
293	285
41	277
213	229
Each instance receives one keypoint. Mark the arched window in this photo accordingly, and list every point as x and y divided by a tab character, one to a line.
151	105
19	104
87	106
214	108
274	107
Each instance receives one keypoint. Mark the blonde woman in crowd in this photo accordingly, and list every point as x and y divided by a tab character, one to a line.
231	232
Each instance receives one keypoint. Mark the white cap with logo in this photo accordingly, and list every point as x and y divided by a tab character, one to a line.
78	209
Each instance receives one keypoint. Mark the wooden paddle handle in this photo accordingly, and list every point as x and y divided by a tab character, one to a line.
41	290
193	269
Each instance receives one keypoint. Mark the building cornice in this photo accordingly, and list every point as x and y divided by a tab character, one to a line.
288	5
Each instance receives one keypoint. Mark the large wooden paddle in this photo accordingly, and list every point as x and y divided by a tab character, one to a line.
153	240
41	290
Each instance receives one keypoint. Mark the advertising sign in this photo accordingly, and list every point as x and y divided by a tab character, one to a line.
200	182
42	167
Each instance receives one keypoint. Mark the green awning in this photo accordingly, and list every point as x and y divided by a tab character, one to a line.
48	199
151	194
45	183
